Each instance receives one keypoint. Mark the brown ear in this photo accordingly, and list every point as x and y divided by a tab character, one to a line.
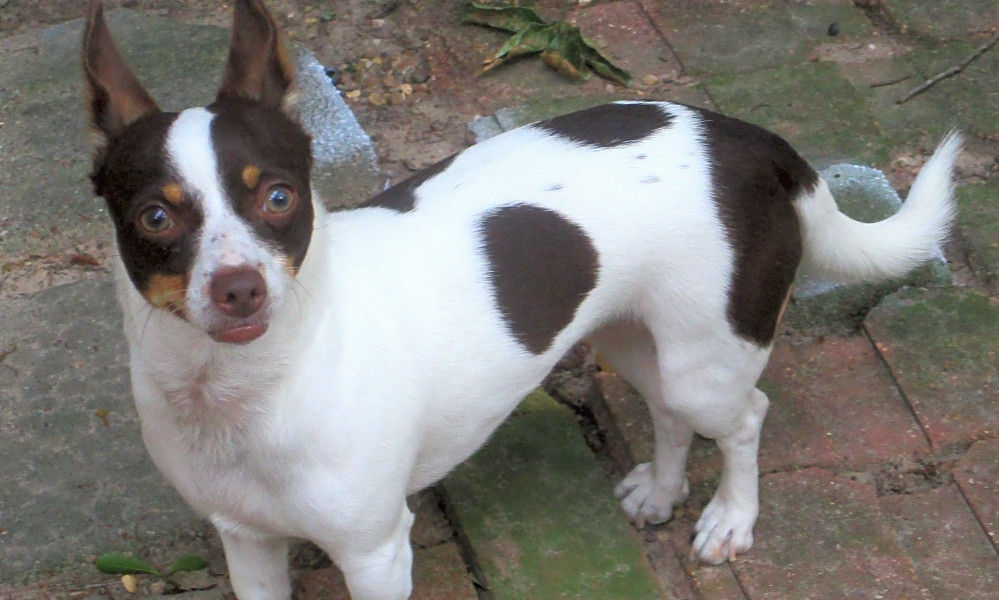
115	97
258	67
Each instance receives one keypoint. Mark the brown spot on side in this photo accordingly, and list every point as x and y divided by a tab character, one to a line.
251	176
541	266
173	193
167	292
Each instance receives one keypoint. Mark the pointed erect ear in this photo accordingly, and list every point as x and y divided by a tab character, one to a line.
258	67
115	97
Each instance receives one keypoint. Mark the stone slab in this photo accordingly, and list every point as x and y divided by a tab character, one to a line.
941	348
977	474
952	555
820	536
626	36
541	517
813	106
77	479
944	19
738	37
978	227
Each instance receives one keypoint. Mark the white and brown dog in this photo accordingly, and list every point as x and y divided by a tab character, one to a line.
298	373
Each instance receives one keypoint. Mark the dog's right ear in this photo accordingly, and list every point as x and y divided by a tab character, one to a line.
115	98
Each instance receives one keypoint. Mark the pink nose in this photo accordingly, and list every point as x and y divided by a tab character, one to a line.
238	291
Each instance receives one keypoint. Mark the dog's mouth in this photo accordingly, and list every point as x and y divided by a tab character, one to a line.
239	332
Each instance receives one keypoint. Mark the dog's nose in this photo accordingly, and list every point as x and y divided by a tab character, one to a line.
238	292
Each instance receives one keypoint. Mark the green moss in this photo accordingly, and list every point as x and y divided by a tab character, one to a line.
541	517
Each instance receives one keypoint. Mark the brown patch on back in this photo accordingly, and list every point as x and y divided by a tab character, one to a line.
173	193
251	176
167	291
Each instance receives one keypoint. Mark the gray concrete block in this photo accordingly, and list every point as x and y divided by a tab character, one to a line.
76	478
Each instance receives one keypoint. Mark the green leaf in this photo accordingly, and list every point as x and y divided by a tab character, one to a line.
562	46
533	38
119	564
188	562
507	18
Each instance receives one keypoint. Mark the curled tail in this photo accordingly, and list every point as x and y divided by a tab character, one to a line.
841	249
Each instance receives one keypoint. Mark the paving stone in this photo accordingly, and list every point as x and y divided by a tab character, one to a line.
438	574
966	101
820	535
625	35
541	517
952	555
978	226
812	106
739	37
941	348
977	474
945	19
834	404
77	479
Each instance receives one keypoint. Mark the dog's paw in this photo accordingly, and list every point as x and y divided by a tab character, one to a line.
645	500
722	531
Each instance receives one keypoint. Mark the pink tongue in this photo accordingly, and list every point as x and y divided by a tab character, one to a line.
243	334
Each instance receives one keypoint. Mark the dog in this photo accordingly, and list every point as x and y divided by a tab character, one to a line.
298	373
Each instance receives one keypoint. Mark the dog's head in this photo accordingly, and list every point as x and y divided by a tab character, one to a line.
212	206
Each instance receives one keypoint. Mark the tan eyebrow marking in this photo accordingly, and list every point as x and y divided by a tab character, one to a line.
173	193
251	176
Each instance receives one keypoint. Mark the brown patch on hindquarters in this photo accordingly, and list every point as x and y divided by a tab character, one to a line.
167	292
756	176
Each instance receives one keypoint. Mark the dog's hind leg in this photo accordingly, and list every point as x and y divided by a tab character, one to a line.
650	491
711	383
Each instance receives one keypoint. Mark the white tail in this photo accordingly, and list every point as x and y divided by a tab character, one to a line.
841	249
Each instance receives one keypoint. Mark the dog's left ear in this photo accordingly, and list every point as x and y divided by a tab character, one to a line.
258	68
115	97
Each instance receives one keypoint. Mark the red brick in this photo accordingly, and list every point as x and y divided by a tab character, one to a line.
822	536
834	404
952	555
977	474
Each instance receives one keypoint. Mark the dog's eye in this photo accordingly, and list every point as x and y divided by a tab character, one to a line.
280	200
155	219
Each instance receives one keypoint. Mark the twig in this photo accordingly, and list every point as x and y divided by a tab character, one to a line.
878	84
949	72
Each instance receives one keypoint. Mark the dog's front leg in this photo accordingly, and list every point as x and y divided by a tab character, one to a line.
258	563
384	570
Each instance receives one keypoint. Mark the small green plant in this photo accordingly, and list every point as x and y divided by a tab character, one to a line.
114	563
